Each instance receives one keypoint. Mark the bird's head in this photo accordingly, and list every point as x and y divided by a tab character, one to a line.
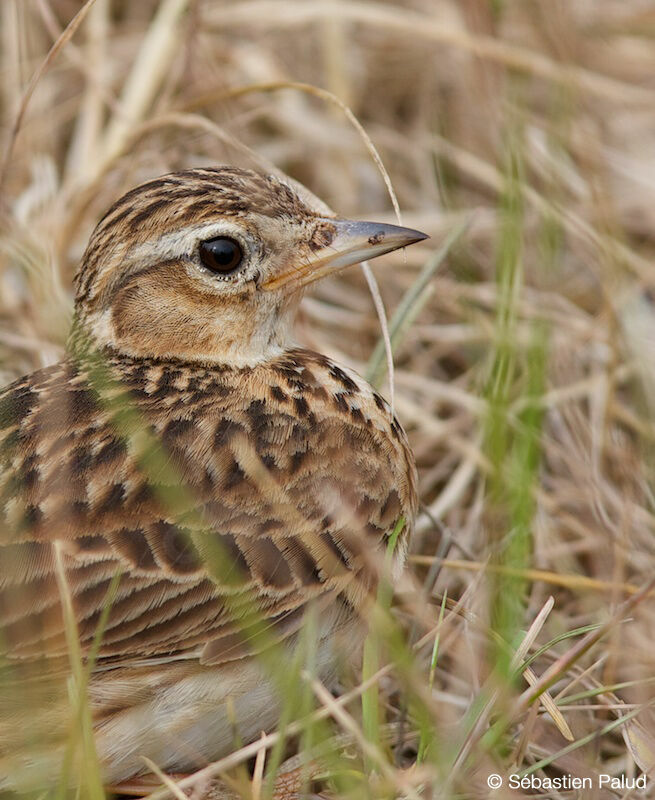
210	264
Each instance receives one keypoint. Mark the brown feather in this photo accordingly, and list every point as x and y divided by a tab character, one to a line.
216	489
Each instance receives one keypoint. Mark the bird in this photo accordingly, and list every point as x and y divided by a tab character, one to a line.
188	483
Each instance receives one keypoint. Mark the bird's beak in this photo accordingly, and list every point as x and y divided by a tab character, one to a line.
350	243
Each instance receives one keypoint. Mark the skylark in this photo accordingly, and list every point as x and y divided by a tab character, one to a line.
185	453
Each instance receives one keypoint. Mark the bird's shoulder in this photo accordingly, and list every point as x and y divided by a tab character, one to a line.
302	422
75	431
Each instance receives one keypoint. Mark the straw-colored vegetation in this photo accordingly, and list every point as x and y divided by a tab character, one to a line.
524	130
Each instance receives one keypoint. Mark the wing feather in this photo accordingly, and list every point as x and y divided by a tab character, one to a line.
270	487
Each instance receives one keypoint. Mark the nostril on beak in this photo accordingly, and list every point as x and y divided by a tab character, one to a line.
376	238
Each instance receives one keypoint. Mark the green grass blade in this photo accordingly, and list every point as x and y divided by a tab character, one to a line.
409	305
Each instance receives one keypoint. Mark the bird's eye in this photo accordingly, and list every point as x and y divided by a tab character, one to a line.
221	255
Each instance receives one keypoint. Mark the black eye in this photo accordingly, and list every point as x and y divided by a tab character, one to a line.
221	255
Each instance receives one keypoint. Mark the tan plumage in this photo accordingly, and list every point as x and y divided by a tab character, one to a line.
242	469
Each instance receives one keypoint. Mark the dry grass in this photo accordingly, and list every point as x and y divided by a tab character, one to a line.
524	369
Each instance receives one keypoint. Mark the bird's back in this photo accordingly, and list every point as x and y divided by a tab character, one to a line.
196	483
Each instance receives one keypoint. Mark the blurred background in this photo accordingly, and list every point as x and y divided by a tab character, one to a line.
520	134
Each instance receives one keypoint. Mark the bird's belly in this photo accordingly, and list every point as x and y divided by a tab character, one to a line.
180	715
192	715
188	723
